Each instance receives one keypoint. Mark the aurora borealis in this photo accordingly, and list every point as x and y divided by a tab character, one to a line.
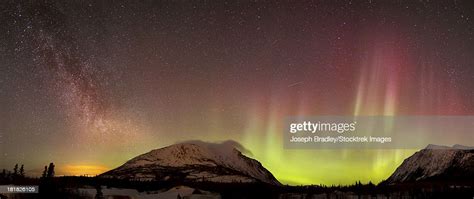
88	85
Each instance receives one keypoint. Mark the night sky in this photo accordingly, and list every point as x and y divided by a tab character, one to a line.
89	85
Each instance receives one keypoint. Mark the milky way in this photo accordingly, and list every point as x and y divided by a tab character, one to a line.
59	62
89	85
74	80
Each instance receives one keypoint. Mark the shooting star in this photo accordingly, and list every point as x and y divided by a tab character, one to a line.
295	84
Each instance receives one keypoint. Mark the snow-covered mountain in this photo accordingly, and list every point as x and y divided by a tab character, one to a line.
436	163
194	162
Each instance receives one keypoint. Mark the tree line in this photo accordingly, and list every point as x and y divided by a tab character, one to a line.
19	172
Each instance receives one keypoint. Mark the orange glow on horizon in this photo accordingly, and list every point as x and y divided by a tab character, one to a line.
82	169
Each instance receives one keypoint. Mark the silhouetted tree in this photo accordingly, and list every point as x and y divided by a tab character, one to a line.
4	174
22	171
50	170
45	172
358	189
15	170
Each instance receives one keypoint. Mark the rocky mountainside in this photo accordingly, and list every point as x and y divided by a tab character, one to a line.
454	163
194	162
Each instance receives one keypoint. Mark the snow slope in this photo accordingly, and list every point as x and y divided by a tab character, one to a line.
194	161
443	162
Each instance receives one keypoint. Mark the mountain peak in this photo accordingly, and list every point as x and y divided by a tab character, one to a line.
195	161
436	162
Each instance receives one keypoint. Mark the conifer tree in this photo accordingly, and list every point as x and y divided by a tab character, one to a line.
45	172
22	171
15	170
50	170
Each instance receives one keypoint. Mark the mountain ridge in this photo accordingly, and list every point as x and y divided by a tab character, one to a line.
195	161
436	162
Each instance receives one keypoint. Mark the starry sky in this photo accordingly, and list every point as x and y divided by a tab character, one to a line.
91	84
